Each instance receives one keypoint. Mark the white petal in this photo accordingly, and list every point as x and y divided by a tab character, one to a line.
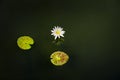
55	27
62	35
61	29
59	36
55	37
52	34
63	32
52	30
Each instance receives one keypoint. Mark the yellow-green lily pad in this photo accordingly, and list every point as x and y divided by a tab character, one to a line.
25	42
59	58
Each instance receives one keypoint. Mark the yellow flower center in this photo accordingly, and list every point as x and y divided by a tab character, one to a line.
58	32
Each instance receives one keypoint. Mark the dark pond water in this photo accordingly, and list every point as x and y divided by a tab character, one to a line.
92	39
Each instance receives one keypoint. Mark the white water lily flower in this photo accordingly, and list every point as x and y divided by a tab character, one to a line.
57	32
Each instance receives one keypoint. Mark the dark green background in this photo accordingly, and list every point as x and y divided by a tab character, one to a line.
92	39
